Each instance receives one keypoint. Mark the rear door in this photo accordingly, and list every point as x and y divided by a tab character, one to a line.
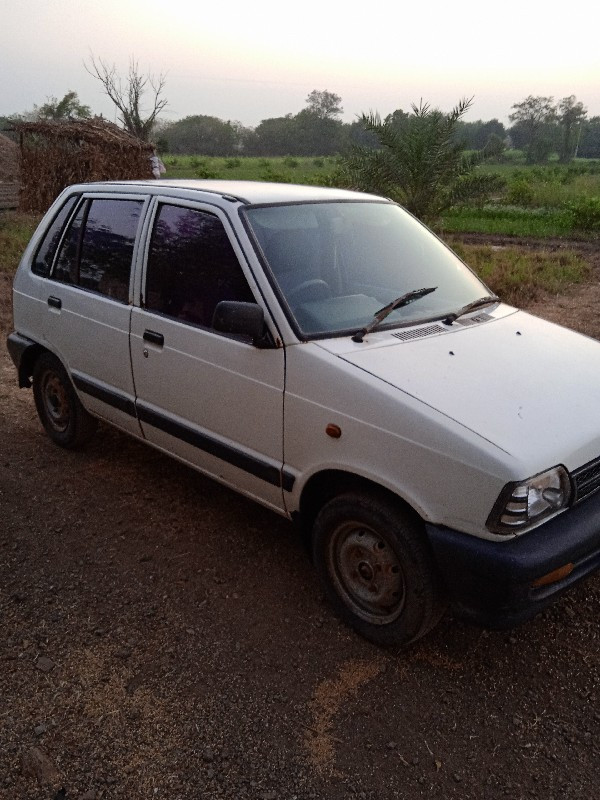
214	400
88	304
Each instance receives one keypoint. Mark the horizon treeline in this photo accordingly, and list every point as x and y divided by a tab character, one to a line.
541	128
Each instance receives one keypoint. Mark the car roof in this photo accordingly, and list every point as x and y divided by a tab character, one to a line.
247	192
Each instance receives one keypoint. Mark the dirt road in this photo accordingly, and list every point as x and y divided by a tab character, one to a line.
163	637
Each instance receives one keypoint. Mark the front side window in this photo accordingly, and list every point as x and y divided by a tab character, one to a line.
97	250
336	264
191	266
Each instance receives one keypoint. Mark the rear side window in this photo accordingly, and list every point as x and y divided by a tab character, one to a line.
192	266
97	250
44	257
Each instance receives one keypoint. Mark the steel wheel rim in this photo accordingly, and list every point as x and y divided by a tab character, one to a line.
56	401
366	573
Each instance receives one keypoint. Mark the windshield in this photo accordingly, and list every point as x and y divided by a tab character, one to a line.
337	264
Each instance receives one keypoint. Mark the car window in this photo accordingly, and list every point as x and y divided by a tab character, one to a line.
66	267
191	266
97	249
45	253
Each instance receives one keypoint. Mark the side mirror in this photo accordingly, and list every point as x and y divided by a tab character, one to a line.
242	319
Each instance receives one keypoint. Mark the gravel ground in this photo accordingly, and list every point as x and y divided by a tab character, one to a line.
164	637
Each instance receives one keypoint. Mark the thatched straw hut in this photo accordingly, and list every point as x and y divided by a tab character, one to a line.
56	154
9	173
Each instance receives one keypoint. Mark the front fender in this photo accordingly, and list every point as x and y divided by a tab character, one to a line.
23	352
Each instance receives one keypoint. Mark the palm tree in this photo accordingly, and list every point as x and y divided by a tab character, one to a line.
421	164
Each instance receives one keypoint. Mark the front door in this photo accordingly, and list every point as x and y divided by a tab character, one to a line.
214	400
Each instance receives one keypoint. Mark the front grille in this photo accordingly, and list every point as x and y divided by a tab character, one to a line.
586	479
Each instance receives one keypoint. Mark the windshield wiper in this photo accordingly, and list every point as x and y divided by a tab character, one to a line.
399	302
479	303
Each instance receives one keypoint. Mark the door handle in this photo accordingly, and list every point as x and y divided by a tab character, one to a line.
154	337
55	302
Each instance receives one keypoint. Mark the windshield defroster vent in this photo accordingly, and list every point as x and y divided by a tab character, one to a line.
474	320
419	332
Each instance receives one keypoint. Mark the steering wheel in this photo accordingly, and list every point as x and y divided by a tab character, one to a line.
315	288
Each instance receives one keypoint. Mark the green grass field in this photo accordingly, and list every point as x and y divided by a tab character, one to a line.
518	275
280	170
541	202
15	231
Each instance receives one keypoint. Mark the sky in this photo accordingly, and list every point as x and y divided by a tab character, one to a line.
249	60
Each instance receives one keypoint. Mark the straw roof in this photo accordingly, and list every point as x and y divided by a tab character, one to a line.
9	159
55	154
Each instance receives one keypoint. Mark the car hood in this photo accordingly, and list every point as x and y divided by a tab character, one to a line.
528	386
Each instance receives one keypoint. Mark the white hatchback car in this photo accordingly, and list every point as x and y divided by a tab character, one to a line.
323	353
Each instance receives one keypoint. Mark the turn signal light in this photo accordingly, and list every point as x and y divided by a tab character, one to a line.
554	576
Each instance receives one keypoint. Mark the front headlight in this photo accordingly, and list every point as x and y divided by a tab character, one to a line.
527	503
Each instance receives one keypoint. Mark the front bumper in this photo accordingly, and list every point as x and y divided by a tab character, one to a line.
491	582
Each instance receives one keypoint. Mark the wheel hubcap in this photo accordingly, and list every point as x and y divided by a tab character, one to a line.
367	573
56	401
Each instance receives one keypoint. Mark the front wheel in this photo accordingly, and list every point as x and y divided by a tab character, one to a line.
65	420
375	566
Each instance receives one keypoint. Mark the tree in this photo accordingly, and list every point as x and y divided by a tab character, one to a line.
275	136
533	116
69	107
315	135
355	134
494	147
127	93
325	105
589	145
398	119
475	135
571	116
422	166
201	135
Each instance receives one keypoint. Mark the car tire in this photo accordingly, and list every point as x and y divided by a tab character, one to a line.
373	560
65	420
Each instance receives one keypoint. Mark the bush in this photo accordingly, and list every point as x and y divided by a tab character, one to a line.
585	213
318	162
519	193
232	163
275	177
293	163
206	174
509	220
519	276
16	229
331	180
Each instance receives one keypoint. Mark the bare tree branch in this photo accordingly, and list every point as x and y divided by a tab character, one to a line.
127	94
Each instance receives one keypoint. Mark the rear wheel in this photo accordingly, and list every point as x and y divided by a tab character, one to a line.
64	418
376	568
